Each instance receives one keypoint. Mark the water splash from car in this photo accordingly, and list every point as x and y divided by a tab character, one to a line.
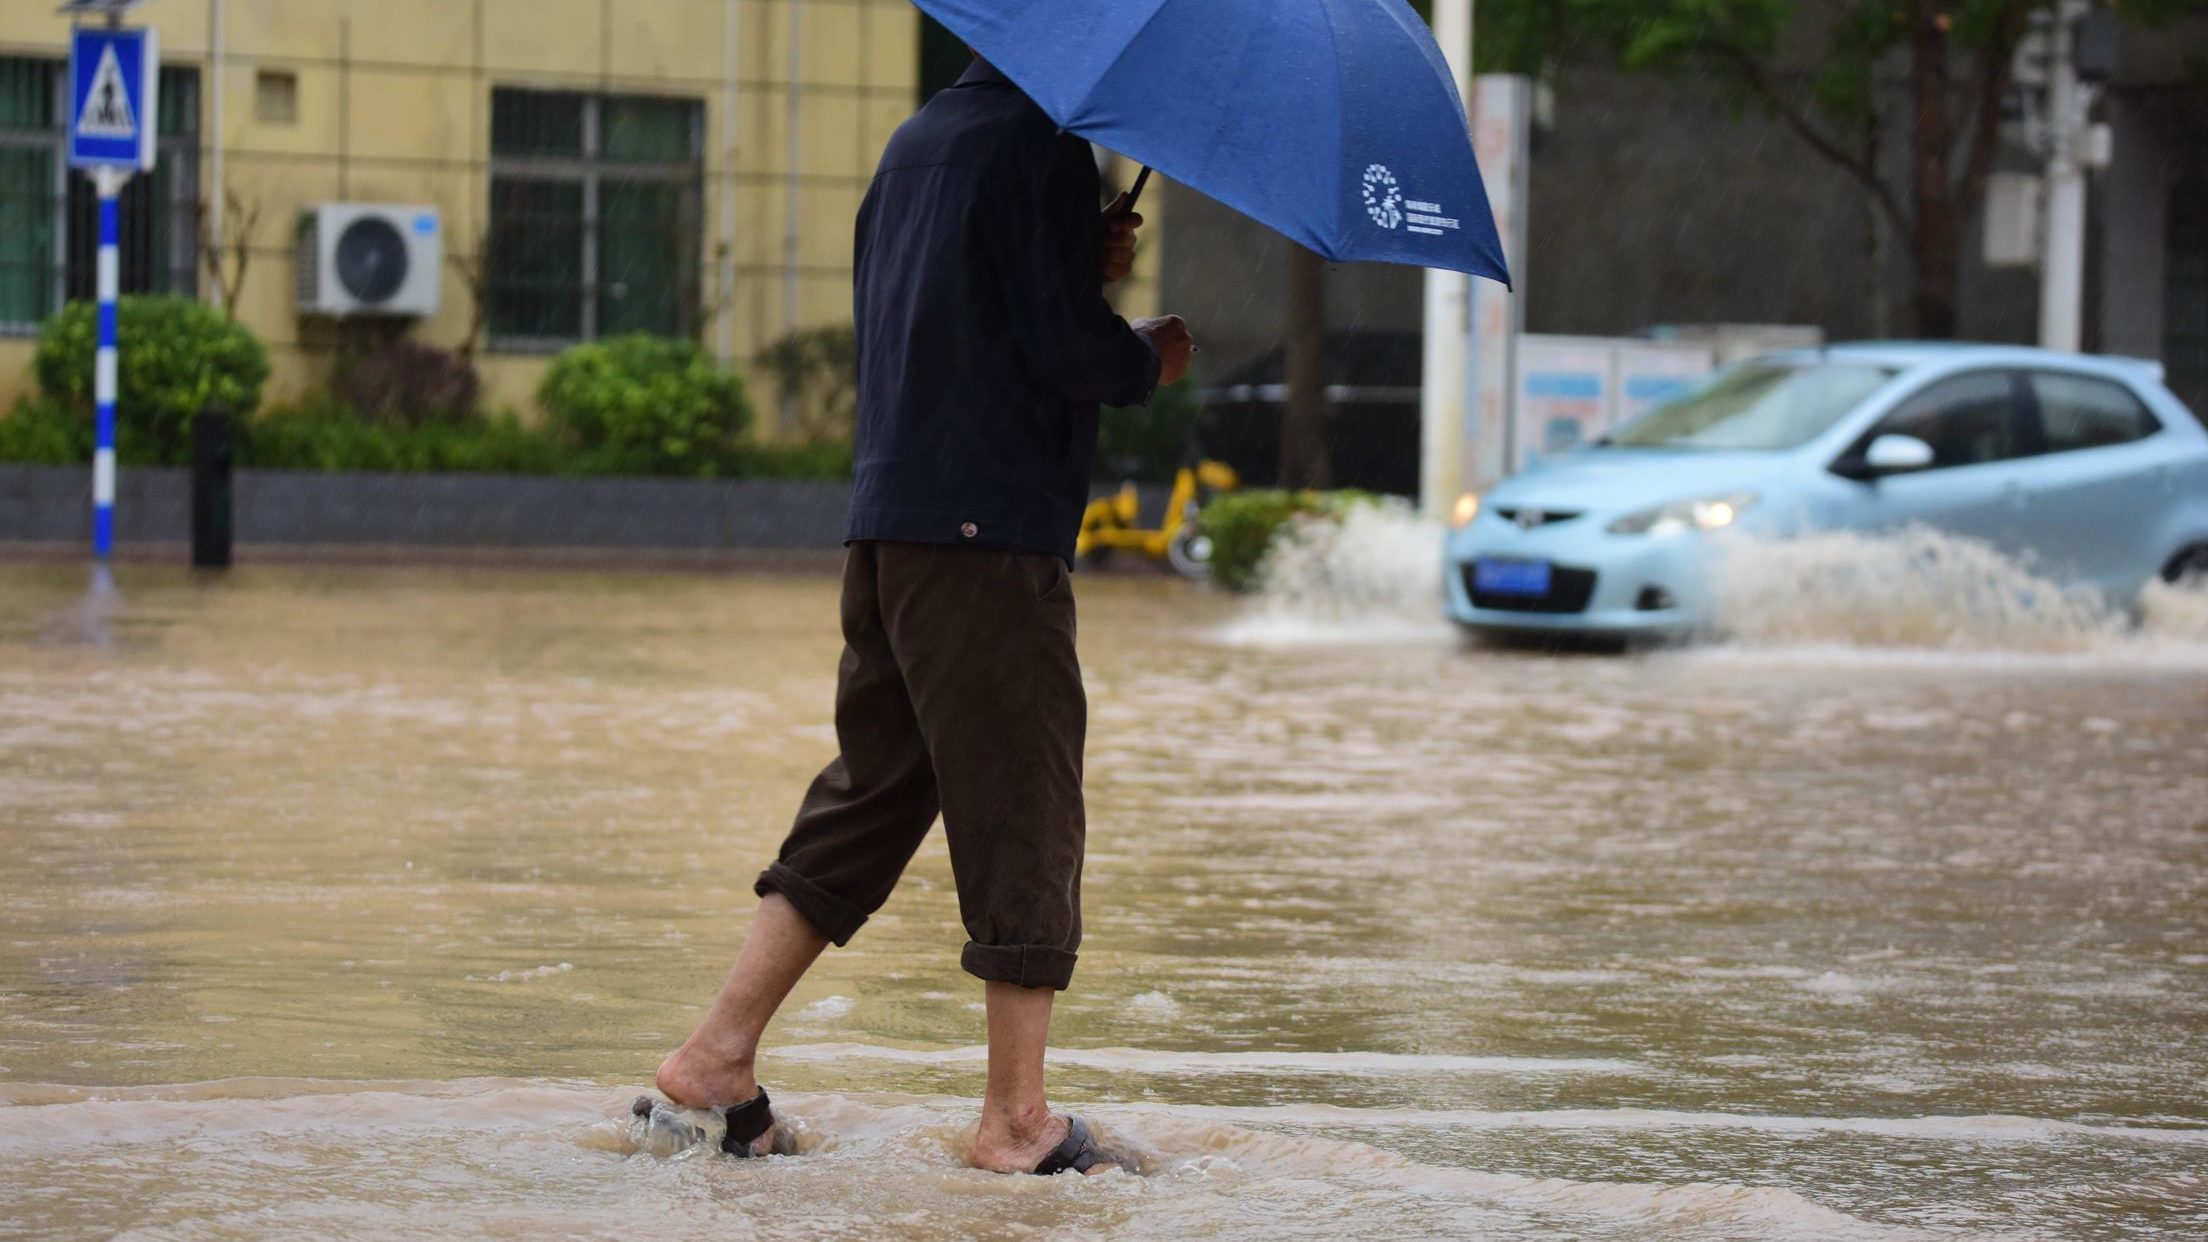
1374	576
1370	576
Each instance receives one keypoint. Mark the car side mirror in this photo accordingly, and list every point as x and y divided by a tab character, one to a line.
1888	454
1898	454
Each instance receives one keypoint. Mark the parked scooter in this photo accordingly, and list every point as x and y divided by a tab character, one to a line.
1110	524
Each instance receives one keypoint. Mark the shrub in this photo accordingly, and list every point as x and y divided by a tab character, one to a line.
817	370
328	436
408	384
1243	526
660	406
178	357
802	460
44	433
1149	443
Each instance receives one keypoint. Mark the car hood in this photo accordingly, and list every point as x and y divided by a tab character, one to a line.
1627	480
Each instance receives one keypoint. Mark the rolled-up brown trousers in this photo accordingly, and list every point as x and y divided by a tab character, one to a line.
959	693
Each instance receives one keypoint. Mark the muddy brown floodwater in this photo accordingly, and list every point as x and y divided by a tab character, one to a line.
359	902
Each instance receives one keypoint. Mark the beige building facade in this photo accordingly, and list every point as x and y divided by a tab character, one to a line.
685	167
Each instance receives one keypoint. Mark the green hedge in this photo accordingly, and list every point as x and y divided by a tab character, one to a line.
333	437
178	357
660	406
627	406
1243	525
329	436
45	433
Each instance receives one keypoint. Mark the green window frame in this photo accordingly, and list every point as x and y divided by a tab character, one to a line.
32	257
48	216
596	210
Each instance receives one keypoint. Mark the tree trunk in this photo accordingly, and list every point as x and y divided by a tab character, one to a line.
1304	461
1936	236
1876	249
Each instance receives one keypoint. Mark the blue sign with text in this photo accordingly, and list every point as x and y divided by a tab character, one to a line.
114	91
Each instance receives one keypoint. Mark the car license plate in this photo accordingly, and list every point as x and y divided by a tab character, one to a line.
1501	577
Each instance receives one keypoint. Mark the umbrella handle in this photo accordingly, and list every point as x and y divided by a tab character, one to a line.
1135	195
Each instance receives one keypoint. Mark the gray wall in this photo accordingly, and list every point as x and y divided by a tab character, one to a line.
277	508
2159	111
1655	203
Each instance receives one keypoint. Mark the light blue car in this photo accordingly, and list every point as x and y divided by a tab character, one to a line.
2087	469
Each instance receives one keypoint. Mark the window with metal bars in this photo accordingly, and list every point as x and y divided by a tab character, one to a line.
597	204
49	217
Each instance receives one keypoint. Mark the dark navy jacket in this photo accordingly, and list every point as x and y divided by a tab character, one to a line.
985	343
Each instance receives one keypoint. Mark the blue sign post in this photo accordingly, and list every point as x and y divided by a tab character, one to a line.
114	80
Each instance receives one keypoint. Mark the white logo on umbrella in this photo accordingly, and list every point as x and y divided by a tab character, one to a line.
1383	198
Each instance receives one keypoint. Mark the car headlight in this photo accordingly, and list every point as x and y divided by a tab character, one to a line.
1678	518
1468	507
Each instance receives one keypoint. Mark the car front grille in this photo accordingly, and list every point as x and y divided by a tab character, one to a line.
1535	519
1570	591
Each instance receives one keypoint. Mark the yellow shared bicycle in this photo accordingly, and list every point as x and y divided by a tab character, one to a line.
1110	524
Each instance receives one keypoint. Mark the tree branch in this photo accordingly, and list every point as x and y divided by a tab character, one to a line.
1752	74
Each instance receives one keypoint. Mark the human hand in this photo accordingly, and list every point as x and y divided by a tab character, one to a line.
1169	335
1116	243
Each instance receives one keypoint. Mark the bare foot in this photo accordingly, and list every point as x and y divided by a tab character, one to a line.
1018	1144
698	1076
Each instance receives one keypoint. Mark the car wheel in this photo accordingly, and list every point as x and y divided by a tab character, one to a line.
2188	568
1190	554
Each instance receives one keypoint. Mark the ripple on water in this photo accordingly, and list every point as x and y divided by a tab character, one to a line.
270	1157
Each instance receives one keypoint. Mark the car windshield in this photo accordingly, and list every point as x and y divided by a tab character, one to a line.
1757	405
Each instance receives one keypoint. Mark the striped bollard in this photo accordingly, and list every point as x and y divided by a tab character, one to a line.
109	183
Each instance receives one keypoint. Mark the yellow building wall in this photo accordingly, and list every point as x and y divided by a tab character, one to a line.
394	105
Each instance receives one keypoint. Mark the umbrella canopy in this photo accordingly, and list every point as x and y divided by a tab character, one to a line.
1336	122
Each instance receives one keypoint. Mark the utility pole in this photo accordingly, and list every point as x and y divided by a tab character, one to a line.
1448	314
2062	273
2082	47
731	106
793	202
218	127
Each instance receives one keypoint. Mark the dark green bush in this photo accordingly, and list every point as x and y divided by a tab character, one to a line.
408	383
1149	443
45	433
654	405
331	437
1243	525
801	460
178	357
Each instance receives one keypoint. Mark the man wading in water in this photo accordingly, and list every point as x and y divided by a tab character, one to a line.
985	348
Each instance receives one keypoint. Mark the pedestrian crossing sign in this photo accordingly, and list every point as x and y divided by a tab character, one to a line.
114	78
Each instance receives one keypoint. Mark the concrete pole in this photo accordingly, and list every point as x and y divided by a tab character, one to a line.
731	104
1448	316
793	200
2062	275
216	195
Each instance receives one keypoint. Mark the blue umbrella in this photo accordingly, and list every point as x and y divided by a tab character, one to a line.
1334	121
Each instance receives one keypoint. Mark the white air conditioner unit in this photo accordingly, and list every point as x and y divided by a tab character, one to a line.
370	259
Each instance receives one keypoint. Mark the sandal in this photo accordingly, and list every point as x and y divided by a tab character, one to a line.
1077	1154
740	1126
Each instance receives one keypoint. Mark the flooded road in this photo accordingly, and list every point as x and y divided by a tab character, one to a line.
359	902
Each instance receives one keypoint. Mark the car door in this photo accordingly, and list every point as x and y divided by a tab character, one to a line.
1977	426
2098	497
